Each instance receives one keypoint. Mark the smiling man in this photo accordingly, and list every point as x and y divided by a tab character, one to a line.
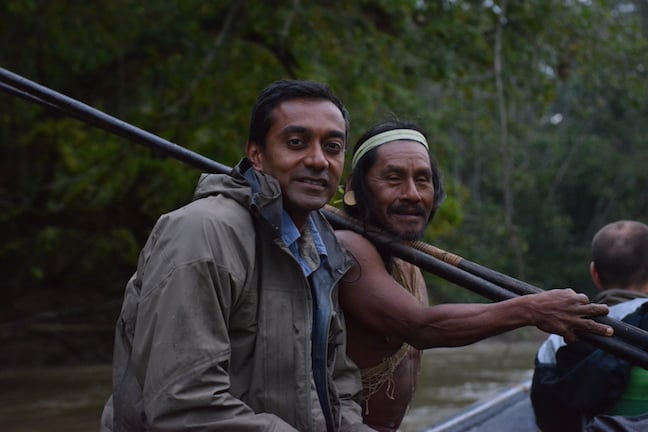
395	185
231	321
308	174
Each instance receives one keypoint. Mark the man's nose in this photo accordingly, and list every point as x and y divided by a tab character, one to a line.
409	191
316	157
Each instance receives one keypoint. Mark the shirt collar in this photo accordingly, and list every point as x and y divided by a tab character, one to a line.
289	231
317	238
290	234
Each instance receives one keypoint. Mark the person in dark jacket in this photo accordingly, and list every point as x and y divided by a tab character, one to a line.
231	321
575	383
395	185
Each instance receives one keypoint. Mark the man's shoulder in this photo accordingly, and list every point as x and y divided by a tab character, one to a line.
547	351
211	212
620	310
353	240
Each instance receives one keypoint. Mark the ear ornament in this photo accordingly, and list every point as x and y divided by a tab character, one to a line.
349	198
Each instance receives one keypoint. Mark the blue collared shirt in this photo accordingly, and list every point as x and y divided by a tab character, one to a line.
319	281
290	234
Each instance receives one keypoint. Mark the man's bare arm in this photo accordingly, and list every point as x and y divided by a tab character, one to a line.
374	299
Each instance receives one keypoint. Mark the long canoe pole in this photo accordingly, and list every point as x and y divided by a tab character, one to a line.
34	92
628	332
31	91
481	280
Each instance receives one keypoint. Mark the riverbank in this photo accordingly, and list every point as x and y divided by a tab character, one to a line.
79	335
61	398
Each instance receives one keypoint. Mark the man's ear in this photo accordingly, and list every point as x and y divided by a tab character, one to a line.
254	153
595	276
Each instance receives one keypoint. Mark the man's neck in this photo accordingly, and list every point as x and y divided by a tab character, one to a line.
299	219
613	296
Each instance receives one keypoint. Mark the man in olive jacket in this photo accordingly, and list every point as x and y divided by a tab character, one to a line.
232	320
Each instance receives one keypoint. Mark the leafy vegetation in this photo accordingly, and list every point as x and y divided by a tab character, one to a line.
534	109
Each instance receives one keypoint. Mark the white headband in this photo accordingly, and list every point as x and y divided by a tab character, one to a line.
385	137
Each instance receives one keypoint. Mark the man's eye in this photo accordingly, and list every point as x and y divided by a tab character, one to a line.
295	142
334	147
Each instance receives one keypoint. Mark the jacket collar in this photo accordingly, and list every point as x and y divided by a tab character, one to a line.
265	194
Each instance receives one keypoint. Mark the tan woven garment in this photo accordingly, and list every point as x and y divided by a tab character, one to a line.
374	377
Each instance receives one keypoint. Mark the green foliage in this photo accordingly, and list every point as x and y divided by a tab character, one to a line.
536	155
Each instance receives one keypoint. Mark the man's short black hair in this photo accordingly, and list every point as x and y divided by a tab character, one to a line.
282	91
620	254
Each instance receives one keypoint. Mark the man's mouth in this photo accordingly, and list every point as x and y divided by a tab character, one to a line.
408	211
315	182
408	217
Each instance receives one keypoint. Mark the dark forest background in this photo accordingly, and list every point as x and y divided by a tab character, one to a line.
535	110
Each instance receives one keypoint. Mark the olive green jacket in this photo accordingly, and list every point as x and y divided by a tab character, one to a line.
215	328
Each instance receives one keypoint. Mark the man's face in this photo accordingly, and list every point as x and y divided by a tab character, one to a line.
400	183
305	153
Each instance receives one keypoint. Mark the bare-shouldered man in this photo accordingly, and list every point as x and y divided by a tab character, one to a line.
395	185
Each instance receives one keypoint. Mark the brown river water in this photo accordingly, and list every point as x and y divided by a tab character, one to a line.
70	399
